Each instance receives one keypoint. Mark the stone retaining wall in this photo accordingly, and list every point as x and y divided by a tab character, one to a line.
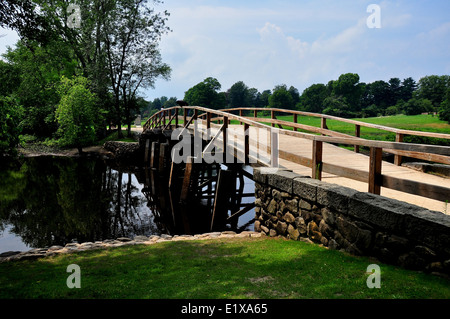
301	208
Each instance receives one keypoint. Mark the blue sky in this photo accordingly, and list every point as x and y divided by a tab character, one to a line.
266	42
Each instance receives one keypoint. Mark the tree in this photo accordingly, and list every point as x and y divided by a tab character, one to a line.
349	89
9	78
37	70
394	91
312	98
281	98
206	94
444	111
433	88
407	89
337	106
116	46
253	98
264	98
417	106
295	95
22	16
76	113
238	95
132	33
10	129
380	91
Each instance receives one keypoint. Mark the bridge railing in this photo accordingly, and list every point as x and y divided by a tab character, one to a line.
375	179
324	130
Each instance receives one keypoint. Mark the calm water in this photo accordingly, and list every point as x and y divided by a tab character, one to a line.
47	201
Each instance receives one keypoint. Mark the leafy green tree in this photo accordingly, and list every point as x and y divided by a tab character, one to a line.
337	106
171	102
444	111
394	91
238	95
9	78
264	98
417	106
116	46
22	16
295	95
349	89
281	98
35	70
76	113
253	98
206	94
392	110
312	98
381	93
433	88
409	86
10	129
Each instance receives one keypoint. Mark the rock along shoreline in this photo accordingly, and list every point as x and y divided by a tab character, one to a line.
37	253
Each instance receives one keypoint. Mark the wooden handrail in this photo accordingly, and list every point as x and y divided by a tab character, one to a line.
413	147
340	119
374	178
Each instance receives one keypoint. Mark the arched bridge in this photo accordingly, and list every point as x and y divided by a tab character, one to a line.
312	151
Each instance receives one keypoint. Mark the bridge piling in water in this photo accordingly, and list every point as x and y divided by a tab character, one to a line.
185	183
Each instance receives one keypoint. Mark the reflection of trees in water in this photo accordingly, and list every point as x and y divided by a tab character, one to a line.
49	201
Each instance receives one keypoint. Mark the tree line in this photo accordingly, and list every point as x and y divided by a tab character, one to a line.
77	69
344	97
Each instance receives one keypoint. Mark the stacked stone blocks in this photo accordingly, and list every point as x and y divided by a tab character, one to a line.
395	232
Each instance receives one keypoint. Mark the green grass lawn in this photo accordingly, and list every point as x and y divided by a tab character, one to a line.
268	268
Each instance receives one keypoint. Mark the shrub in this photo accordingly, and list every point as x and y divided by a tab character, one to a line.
10	129
75	113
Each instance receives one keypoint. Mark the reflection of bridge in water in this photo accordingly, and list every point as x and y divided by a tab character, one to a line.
185	198
256	141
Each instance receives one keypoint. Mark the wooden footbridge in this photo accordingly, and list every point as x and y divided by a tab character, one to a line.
312	151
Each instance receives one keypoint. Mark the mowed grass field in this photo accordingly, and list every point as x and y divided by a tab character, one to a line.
239	268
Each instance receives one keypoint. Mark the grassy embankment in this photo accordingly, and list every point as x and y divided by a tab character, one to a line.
269	268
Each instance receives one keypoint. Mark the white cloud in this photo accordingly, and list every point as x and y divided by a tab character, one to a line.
250	45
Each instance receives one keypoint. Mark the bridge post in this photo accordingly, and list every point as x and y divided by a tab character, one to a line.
274	148
272	113
357	134
176	118
323	123
295	121
246	143
398	158
224	135
375	170
317	160
208	125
